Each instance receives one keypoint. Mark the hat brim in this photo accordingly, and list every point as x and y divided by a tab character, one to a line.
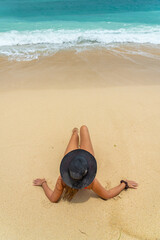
88	178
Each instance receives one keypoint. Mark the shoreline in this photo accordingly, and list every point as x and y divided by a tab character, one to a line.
19	54
98	68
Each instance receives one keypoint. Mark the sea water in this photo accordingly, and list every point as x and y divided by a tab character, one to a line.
31	28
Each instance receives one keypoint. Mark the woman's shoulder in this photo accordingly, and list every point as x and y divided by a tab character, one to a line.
91	185
61	180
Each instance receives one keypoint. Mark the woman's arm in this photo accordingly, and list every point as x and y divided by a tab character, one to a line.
54	195
107	194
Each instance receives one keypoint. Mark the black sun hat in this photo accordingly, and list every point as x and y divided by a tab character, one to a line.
78	168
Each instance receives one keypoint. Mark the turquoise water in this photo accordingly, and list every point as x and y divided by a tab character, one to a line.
30	28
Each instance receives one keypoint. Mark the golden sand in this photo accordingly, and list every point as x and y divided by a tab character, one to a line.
40	102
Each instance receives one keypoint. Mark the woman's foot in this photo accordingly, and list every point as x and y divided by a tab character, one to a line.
75	130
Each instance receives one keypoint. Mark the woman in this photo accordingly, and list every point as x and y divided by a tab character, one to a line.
78	170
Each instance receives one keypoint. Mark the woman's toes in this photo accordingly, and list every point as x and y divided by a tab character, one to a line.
75	130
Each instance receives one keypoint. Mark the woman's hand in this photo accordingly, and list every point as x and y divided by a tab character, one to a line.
38	182
132	184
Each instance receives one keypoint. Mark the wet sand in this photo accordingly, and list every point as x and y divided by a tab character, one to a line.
84	70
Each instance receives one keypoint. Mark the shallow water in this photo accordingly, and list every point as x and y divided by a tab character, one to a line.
29	29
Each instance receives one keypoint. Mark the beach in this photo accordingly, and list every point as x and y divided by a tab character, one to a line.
115	94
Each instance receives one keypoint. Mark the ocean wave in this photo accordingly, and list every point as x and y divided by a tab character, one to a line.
32	44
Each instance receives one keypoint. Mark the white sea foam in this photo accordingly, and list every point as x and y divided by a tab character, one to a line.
27	45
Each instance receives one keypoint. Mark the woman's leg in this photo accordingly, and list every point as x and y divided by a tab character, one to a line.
85	141
74	141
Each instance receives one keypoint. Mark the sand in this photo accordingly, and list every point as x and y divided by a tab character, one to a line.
40	102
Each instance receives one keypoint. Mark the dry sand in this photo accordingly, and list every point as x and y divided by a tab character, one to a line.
40	102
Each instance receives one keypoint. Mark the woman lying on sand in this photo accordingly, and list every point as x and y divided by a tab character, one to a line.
78	170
